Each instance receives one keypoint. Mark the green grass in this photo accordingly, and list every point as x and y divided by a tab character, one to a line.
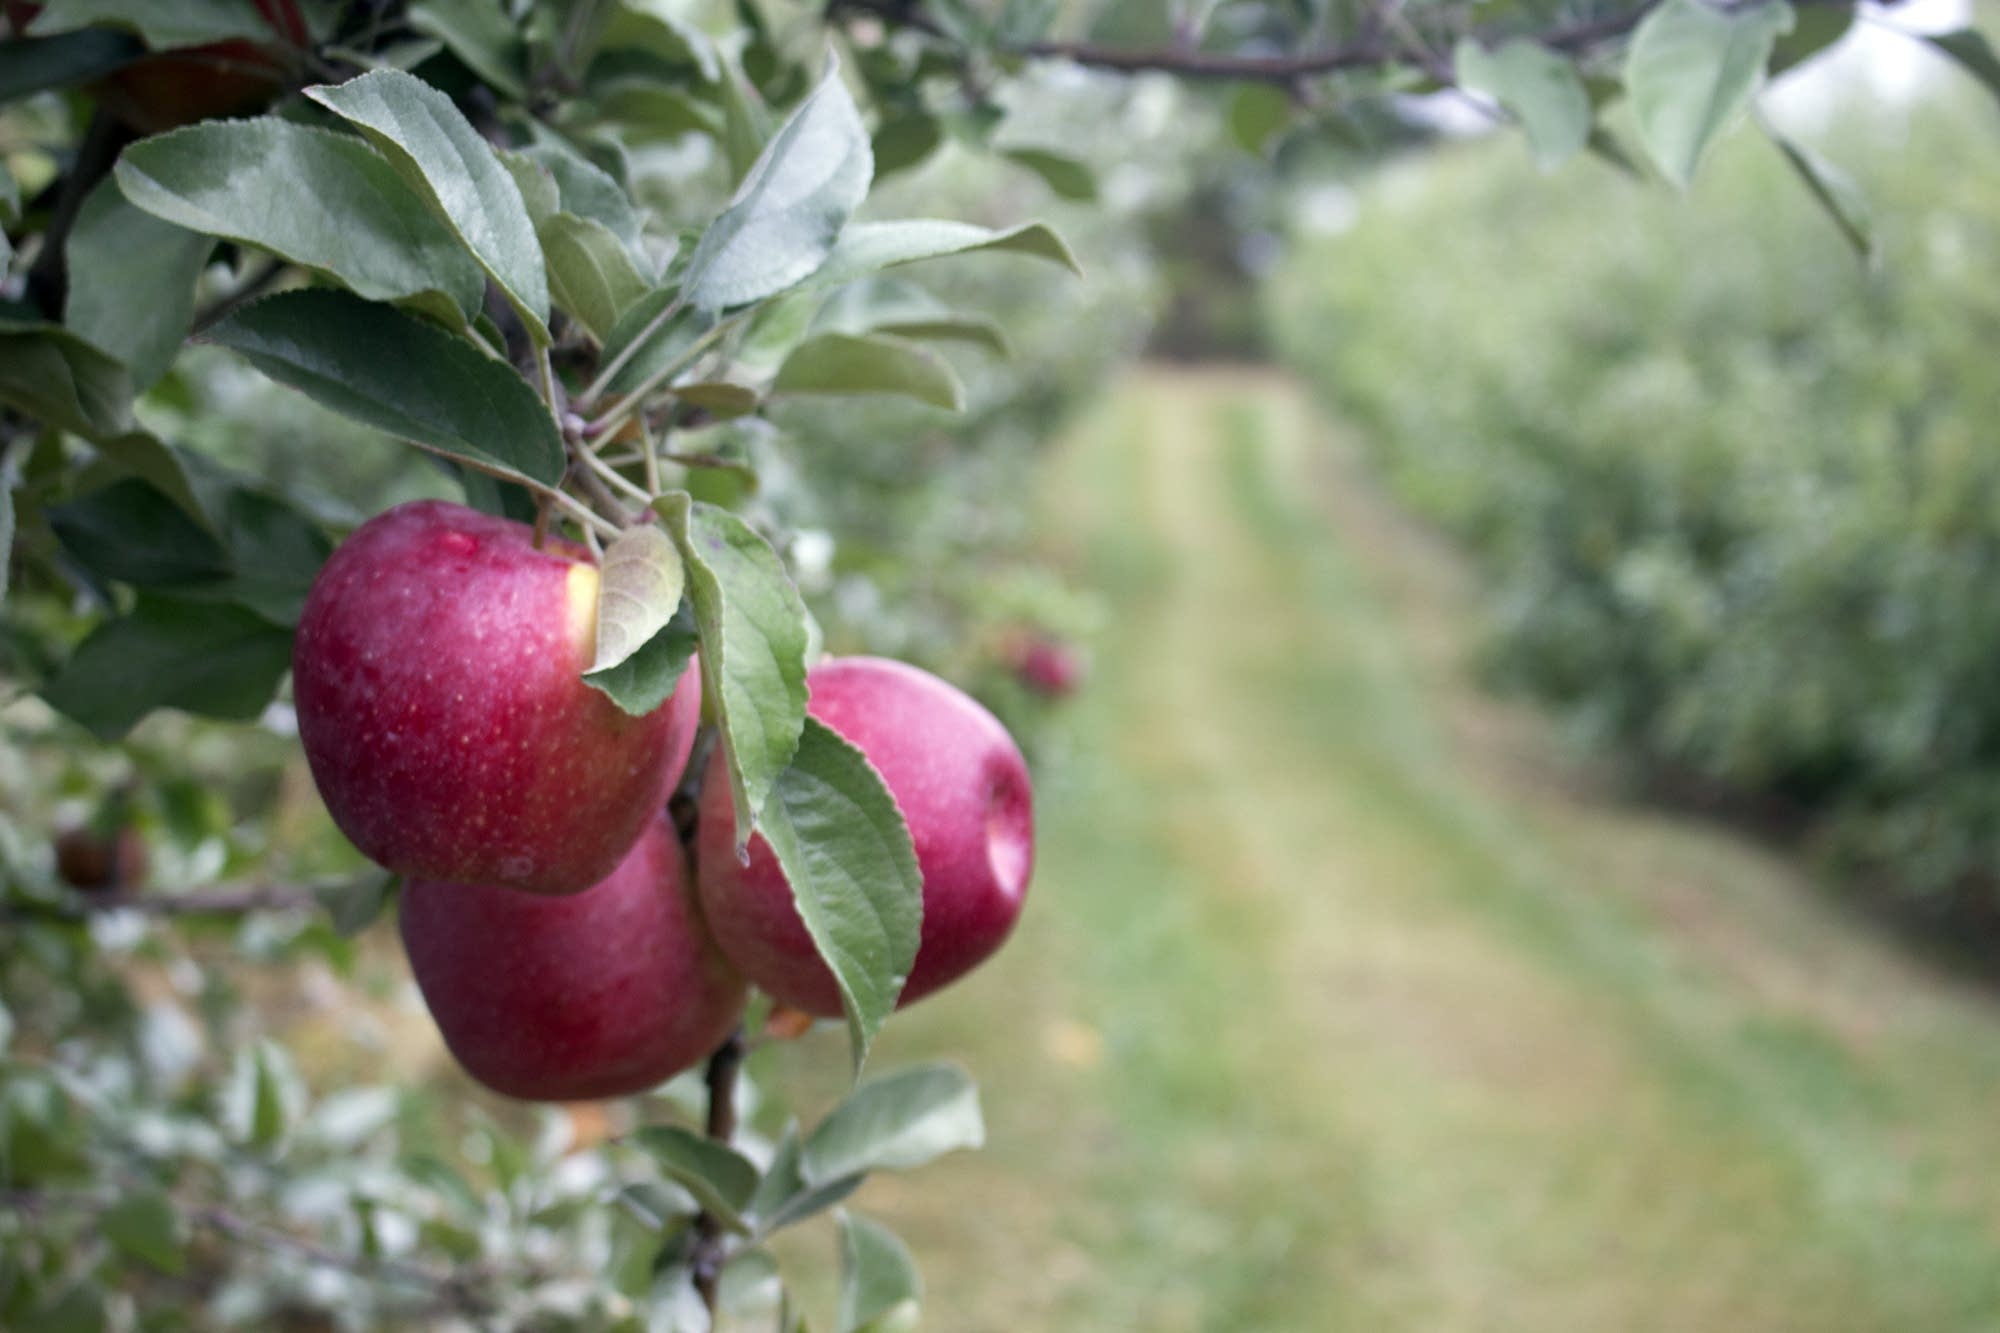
1345	1000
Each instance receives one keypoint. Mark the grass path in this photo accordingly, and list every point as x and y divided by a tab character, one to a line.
1344	1002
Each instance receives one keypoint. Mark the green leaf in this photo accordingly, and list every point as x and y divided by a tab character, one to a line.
1540	88
1069	178
638	592
840	839
896	1122
276	551
870	247
652	113
132	533
354	904
539	193
905	141
845	363
719	399
211	658
1258	114
56	377
36	64
785	217
479	34
242	180
436	149
143	1226
784	1197
160	26
751	1286
645	680
587	191
753	645
1690	71
591	274
721	1179
77	1309
1837	192
395	372
263	1098
877	1275
131	282
746	122
1973	53
892	305
1819	27
662	33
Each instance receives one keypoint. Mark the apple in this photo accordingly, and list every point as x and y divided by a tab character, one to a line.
963	788
173	88
1049	667
600	994
93	860
437	674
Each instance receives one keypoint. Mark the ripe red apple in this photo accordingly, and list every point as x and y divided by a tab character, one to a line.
600	994
438	677
963	788
89	859
1049	667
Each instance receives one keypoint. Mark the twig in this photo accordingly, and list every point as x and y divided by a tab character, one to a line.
631	401
710	1248
219	900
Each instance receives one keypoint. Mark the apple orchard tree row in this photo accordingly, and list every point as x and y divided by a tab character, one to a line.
577	711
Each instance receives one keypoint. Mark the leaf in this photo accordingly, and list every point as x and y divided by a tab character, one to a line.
354	904
56	377
161	26
242	180
1838	193
480	35
753	644
720	1178
1690	70
646	679
783	221
1540	88
436	149
845	363
1258	114
132	533
662	33
652	113
877	1275
897	1122
36	64
591	275
638	591
783	1197
397	373
1069	178
1818	29
131	282
720	400
870	247
143	1226
1973	53
905	141
846	853
263	1098
587	191
210	658
892	305
539	194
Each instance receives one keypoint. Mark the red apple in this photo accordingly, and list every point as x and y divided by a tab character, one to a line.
963	788
438	677
1049	667
600	994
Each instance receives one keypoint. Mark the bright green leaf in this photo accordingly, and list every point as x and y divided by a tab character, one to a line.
1690	71
870	247
591	274
840	839
131	282
436	149
1067	177
721	1179
877	1275
399	374
1540	88
144	1226
210	658
845	363
242	180
896	1122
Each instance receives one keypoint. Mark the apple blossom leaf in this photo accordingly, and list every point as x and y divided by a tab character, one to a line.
51	374
131	282
36	64
783	221
646	679
721	1179
400	374
896	1122
144	1226
241	180
591	275
161	27
432	145
878	1278
870	247
753	645
847	363
1691	69
212	658
1064	175
1539	88
845	850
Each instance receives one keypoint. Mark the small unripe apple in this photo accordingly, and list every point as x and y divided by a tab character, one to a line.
438	677
1050	667
963	788
602	993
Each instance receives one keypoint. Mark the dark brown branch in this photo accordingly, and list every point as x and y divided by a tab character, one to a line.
710	1248
48	280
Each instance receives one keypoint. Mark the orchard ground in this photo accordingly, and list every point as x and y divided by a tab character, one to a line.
1346	999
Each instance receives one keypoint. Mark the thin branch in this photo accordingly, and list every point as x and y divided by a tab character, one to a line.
630	402
219	900
711	1247
588	398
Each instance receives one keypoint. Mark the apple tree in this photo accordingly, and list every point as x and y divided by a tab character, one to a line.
574	259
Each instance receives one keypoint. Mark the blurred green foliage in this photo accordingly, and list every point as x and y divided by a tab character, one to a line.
1738	499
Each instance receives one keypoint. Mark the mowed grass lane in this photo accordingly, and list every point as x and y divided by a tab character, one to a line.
1344	1002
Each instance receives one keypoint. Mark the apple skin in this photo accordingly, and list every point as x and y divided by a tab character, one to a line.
964	790
603	993
1049	667
437	675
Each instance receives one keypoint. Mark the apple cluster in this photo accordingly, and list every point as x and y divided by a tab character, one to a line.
567	943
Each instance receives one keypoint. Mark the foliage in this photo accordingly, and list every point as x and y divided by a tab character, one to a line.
1735	495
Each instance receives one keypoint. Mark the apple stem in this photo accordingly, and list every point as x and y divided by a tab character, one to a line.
710	1249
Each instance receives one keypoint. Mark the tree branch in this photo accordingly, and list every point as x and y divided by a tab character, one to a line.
218	900
710	1247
